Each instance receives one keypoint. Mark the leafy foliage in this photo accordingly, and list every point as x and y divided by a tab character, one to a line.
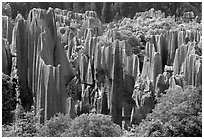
26	125
55	126
106	12
178	113
8	98
73	89
86	125
93	125
118	9
6	9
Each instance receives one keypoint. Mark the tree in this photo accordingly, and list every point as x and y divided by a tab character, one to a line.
6	9
115	8
68	6
93	125
87	6
127	9
106	12
123	9
96	6
78	7
177	114
44	5
93	6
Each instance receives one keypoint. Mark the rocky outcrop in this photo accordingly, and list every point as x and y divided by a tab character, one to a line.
43	67
189	64
7	27
117	85
6	57
22	51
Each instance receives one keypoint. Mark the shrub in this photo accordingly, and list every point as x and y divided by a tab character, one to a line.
178	113
7	130
93	125
6	9
8	98
28	125
25	125
55	126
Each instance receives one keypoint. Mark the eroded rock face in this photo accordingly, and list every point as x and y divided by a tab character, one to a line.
117	85
22	63
92	23
6	58
55	71
43	67
144	98
53	77
7	28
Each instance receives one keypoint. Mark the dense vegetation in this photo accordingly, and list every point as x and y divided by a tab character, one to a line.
108	11
61	125
9	100
177	114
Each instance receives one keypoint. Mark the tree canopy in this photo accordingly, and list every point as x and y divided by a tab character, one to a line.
111	10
